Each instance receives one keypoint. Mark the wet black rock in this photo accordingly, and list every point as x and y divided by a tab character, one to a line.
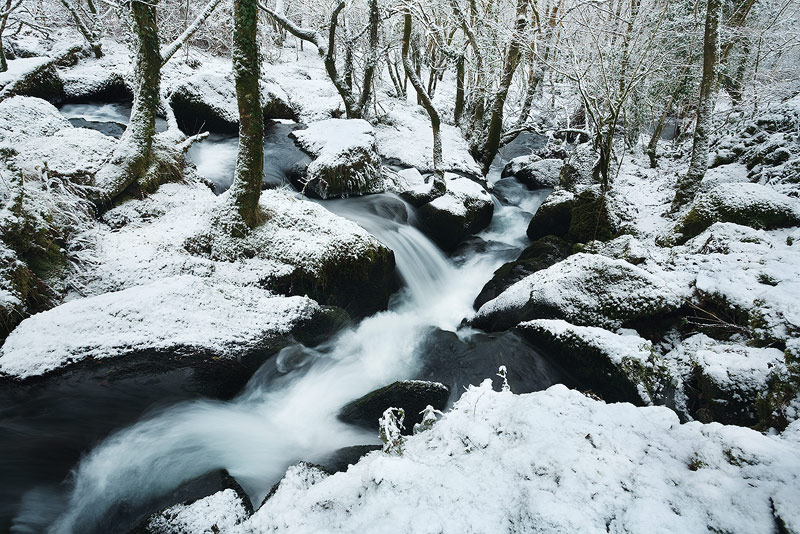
410	395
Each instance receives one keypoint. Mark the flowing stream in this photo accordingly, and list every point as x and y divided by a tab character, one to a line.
287	411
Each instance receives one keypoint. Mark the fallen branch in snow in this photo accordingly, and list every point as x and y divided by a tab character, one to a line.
13	86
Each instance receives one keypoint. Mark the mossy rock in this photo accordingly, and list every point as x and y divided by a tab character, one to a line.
541	254
640	380
553	217
360	285
753	205
410	395
29	293
590	219
465	208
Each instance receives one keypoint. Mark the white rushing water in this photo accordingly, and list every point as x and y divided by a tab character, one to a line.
281	418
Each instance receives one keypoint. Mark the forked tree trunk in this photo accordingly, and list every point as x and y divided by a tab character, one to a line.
688	186
492	144
246	188
133	153
439	184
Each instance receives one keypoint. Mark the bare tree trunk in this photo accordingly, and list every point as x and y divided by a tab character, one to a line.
492	144
246	188
688	186
439	184
372	56
7	9
173	47
398	86
458	110
133	154
91	37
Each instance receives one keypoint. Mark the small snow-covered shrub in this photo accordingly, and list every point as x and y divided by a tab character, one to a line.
391	430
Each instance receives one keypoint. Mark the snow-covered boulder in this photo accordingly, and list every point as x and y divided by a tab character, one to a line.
586	290
579	217
22	117
729	379
753	205
181	321
619	368
94	81
72	153
206	100
300	249
466	208
625	247
534	172
540	255
215	514
410	395
752	276
554	461
346	160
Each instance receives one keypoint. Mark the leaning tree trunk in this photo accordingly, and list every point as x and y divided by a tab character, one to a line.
492	144
91	36
439	184
133	155
3	20
246	187
688	186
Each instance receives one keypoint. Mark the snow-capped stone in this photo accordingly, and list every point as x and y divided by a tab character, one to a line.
71	152
215	514
346	158
534	172
752	205
206	99
22	117
184	314
586	290
728	378
619	368
554	215
465	208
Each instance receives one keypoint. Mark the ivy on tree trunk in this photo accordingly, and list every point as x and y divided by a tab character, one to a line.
246	188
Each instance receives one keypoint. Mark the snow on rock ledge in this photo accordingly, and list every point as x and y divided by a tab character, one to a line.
753	205
346	158
301	248
617	367
185	313
553	461
22	117
534	172
73	153
465	208
216	513
586	290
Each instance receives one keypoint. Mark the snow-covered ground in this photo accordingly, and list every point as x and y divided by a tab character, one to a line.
555	461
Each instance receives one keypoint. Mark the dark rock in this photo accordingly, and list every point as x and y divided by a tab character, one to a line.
343	458
458	363
361	285
590	219
543	253
466	208
410	395
553	217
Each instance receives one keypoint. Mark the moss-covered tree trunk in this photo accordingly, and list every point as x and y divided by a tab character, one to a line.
133	155
492	144
688	186
246	188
